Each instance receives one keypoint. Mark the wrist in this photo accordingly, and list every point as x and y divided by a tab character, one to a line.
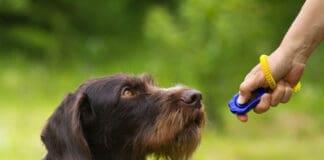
299	44
297	50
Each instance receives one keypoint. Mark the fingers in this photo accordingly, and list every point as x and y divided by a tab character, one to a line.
295	74
253	81
264	104
242	118
288	93
281	94
287	76
245	91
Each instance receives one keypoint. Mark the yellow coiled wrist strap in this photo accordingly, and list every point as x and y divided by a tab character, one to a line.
268	76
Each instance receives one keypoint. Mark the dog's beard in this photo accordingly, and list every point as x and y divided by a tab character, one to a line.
176	132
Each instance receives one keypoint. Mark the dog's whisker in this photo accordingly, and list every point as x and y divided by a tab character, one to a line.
103	121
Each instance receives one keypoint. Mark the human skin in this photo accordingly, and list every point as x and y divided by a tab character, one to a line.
287	62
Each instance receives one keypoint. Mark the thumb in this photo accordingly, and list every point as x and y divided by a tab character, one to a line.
250	84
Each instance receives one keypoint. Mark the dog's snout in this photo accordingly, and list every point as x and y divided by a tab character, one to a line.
192	97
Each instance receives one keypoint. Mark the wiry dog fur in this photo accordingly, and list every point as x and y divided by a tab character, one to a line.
125	117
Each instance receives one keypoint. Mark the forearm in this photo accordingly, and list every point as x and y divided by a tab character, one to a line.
306	32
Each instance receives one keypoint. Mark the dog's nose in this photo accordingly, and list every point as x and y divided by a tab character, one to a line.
192	97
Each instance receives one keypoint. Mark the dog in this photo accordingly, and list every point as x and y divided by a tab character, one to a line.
125	117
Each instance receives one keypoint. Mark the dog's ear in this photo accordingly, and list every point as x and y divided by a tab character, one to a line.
86	113
63	135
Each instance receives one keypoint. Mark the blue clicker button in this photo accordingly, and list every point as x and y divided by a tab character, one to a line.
237	108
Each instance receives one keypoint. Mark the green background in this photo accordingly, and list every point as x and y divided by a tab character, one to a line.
48	48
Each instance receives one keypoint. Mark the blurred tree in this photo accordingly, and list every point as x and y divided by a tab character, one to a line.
207	43
213	43
53	29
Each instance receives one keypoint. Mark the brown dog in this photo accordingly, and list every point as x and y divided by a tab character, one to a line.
125	117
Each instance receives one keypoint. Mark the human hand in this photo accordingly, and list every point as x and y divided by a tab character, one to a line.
285	71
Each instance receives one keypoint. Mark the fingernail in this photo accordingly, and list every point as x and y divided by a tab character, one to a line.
240	100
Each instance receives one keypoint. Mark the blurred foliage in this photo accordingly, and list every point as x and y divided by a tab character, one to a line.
202	42
49	47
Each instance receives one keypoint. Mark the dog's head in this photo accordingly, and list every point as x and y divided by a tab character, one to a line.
125	116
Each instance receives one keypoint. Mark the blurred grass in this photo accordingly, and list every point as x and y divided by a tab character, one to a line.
48	48
30	93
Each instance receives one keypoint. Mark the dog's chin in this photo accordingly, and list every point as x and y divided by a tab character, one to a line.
190	134
189	137
186	141
199	118
180	134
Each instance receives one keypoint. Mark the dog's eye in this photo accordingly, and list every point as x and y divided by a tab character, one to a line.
127	92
